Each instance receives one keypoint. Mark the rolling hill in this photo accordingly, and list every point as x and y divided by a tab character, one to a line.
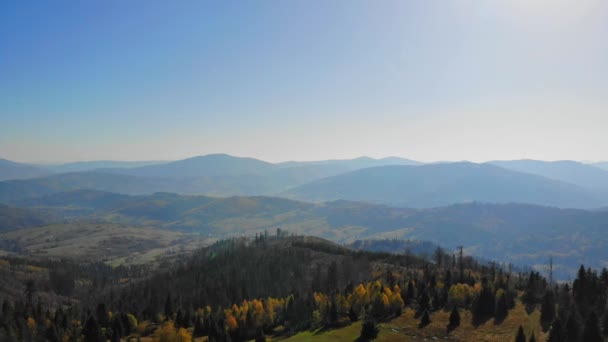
98	242
590	177
17	218
214	175
353	164
16	190
443	184
96	165
203	166
12	170
519	233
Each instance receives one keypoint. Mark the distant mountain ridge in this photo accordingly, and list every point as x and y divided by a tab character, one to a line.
425	185
13	170
443	184
590	177
96	165
215	175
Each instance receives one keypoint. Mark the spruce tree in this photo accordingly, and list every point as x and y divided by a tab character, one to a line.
424	301
592	330
557	332
572	330
168	307
454	318
260	336
369	330
521	337
547	309
605	323
352	315
91	331
425	320
502	307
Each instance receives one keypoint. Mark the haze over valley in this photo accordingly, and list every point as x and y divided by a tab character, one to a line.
297	171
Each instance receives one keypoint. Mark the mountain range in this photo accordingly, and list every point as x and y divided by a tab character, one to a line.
446	183
12	170
390	181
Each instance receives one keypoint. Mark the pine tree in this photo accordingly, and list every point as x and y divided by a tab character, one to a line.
424	301
352	315
592	330
572	331
502	307
454	318
369	330
199	327
260	336
521	337
605	323
556	334
425	320
168	307
411	291
91	331
547	309
102	315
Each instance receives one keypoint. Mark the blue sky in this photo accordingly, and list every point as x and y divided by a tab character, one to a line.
303	80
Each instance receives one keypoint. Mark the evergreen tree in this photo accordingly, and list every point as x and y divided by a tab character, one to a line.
102	315
260	336
605	323
454	318
424	301
592	330
521	337
333	314
572	331
91	331
425	320
502	307
168	307
411	290
369	330
547	309
556	334
352	315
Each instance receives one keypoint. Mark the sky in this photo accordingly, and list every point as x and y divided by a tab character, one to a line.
303	80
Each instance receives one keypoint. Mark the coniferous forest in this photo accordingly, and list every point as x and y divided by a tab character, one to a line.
277	286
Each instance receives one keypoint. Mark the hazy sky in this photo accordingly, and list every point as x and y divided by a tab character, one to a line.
302	80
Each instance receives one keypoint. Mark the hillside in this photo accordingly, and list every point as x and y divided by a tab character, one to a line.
98	242
17	190
405	328
17	218
12	170
353	164
96	165
590	177
443	184
518	233
277	288
202	166
213	175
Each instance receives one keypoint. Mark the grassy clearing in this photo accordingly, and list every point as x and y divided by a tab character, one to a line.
114	244
405	328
